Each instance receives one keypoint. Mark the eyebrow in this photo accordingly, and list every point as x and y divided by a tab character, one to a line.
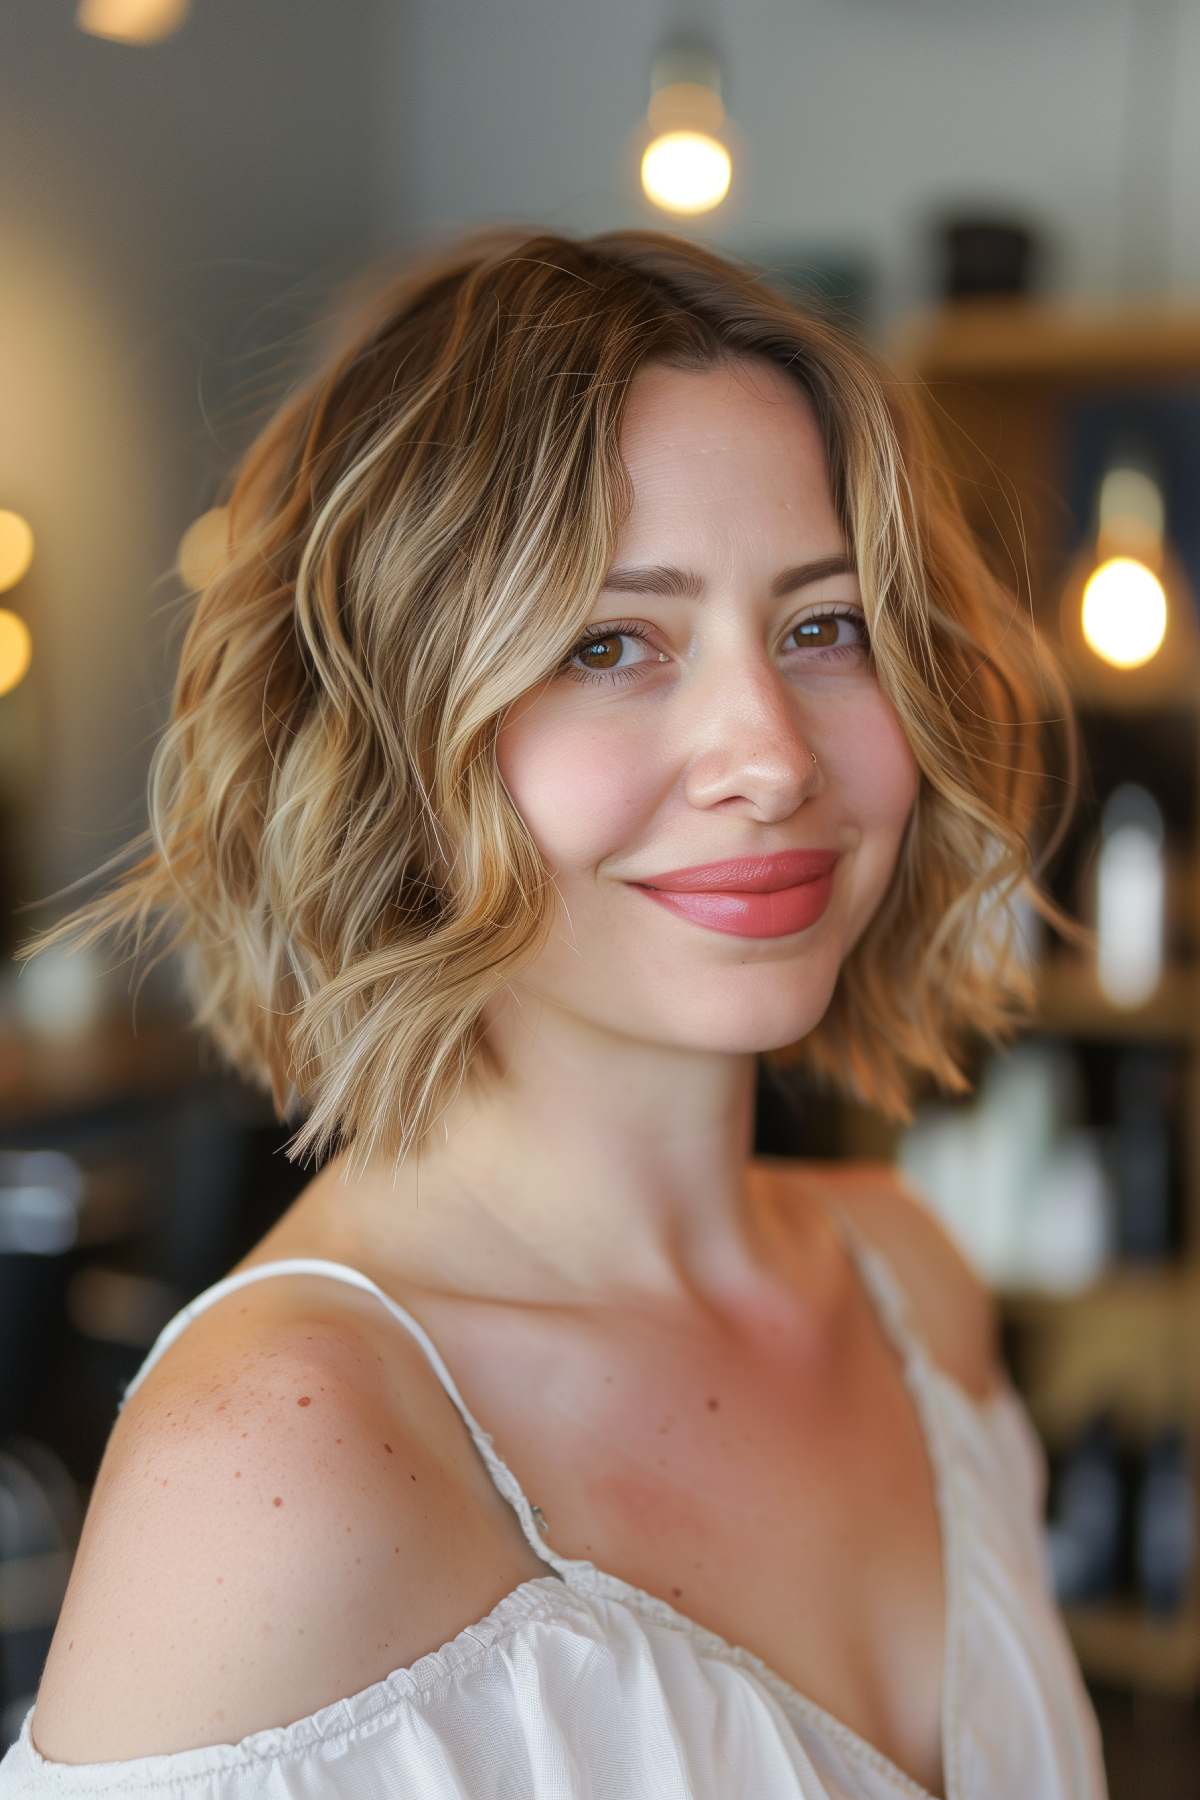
685	584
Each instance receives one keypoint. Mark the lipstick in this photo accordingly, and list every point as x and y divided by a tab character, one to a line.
750	896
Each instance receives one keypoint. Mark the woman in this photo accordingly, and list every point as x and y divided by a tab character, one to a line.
578	568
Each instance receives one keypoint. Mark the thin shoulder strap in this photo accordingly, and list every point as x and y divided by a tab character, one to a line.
497	1468
884	1288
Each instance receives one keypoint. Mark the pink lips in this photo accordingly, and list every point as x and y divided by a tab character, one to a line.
747	874
750	896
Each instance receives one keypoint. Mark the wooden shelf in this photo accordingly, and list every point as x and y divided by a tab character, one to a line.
1176	1288
1121	1642
997	340
1129	1342
41	1080
1171	680
1071	1001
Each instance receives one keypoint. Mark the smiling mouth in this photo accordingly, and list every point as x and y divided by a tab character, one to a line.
726	887
770	913
750	874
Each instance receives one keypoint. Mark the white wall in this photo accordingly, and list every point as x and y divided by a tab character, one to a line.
169	216
858	118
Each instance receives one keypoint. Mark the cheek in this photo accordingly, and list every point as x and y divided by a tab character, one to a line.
579	789
875	764
878	777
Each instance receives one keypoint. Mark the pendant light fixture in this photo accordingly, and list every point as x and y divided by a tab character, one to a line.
687	165
1127	616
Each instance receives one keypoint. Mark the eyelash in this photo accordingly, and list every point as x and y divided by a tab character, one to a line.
630	628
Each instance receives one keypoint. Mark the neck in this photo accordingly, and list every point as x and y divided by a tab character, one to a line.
589	1205
594	1171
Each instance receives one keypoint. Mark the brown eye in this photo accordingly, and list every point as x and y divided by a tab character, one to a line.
610	647
821	631
600	654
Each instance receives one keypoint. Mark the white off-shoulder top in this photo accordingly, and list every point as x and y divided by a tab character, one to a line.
579	1686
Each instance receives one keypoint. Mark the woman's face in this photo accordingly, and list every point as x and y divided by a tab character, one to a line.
685	733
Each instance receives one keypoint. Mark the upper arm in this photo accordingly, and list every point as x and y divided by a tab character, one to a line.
953	1308
266	1534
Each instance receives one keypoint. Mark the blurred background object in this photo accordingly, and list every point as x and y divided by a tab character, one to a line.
1001	200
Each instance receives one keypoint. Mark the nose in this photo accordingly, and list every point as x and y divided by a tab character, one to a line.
750	745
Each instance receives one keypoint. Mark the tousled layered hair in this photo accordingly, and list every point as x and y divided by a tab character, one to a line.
417	536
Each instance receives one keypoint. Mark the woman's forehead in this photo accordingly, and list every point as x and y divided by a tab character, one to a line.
717	449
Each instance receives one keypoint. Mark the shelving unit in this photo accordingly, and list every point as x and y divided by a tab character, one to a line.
1000	376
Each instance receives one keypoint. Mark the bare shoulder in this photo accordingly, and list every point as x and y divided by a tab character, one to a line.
952	1305
273	1527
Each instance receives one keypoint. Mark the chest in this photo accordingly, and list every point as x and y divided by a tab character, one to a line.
783	1499
775	1488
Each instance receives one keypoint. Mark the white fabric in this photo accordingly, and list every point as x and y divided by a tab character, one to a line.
578	1686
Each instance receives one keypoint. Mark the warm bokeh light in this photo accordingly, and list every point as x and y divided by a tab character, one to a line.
131	21
203	548
1124	612
686	172
16	549
16	649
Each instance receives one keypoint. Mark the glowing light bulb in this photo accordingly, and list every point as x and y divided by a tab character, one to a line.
686	171
1124	615
686	167
16	549
16	649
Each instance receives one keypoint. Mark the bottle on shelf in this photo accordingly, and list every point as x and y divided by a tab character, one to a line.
1089	1524
1165	1523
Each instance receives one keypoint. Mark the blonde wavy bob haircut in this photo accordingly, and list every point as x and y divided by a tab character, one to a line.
416	537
